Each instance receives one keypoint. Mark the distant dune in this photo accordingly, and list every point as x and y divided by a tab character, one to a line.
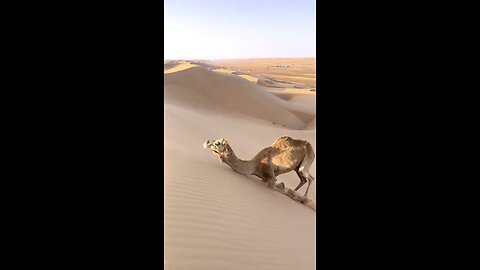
214	217
293	70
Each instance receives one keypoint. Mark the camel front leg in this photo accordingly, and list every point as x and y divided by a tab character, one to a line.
271	182
280	186
310	179
269	175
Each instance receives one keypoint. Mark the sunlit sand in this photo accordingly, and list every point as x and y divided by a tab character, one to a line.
214	217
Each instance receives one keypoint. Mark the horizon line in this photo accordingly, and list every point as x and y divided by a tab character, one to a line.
247	58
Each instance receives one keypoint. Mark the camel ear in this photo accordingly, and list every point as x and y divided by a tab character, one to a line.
224	142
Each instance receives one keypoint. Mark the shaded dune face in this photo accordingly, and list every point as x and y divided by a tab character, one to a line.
213	91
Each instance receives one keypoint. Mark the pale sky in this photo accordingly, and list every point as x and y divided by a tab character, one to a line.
216	29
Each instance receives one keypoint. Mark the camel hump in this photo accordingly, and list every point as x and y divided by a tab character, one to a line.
284	138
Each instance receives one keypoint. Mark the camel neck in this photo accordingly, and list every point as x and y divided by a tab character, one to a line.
245	167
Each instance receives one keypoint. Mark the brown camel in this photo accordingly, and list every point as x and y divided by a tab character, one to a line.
284	155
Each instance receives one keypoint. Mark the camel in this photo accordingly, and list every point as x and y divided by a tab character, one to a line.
284	155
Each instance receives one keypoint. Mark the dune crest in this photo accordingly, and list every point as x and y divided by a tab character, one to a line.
178	66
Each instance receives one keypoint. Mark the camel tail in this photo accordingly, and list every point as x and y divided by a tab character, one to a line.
310	155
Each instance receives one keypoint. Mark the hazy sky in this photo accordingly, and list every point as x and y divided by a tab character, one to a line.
218	29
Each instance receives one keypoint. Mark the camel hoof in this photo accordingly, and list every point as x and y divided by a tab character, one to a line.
281	186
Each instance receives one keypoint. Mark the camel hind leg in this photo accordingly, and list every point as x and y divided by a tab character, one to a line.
310	179
303	180
304	167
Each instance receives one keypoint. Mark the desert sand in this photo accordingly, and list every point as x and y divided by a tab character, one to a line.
214	217
296	70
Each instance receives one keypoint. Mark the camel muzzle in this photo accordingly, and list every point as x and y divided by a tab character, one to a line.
207	144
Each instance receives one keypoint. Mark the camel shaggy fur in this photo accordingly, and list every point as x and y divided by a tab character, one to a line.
284	155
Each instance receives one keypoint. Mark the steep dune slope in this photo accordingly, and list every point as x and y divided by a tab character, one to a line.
215	218
202	88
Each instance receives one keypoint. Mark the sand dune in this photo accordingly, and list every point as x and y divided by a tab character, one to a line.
293	70
250	78
229	71
178	66
216	218
198	87
266	76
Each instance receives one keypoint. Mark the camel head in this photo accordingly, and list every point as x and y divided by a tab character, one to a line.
218	147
